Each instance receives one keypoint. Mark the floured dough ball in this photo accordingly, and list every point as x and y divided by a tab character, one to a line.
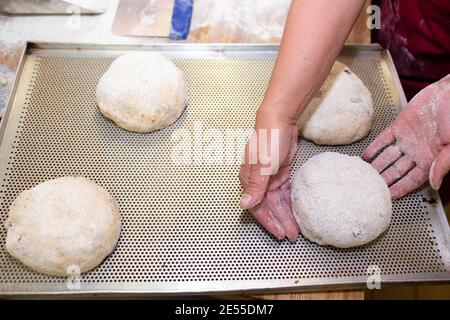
142	92
62	226
340	200
341	112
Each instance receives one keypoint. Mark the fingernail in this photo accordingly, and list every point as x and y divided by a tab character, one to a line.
245	201
437	185
280	237
279	234
292	238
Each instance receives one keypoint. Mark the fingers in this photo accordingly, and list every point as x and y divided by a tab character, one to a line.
286	191
275	215
386	158
413	180
282	176
286	194
439	168
400	168
385	139
282	213
276	181
265	217
254	185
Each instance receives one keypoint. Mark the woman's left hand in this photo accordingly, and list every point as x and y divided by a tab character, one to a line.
416	147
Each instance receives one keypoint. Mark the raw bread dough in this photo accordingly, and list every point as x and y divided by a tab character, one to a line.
62	226
341	112
142	92
340	200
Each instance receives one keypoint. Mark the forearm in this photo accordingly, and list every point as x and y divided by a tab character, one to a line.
314	34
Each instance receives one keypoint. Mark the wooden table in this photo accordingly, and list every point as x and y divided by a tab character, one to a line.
224	33
357	294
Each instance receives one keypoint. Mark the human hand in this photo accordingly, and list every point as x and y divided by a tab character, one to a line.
417	144
264	175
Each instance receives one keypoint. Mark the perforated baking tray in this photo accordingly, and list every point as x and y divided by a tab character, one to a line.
183	231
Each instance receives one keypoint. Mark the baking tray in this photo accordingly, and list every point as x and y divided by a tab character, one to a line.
183	231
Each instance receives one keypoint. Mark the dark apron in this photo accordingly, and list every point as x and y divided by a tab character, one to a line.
417	33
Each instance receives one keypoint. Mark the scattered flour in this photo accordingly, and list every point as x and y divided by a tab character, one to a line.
258	21
6	81
66	28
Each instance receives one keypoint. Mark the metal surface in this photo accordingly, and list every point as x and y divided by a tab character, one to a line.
143	18
183	231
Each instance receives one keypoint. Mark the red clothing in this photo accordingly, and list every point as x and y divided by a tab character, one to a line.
417	33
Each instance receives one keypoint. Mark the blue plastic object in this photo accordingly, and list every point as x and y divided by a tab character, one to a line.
181	19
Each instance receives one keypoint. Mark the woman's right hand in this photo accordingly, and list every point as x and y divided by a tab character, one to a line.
416	147
265	179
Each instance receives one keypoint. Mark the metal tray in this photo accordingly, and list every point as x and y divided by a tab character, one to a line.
183	231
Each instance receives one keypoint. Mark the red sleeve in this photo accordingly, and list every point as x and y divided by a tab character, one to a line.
417	33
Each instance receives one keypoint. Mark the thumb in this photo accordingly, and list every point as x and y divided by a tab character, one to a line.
440	167
255	187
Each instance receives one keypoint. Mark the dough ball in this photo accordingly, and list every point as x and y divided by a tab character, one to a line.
63	223
341	112
340	200
142	92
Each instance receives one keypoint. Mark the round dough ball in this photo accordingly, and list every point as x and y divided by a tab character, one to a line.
142	92
342	111
340	200
64	225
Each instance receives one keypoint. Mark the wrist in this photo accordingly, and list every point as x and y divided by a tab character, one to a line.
286	107
279	111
